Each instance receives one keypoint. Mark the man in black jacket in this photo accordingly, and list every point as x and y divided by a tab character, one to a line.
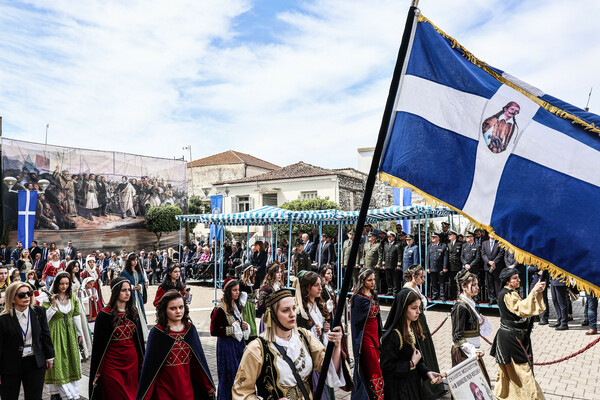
454	261
26	349
493	264
391	255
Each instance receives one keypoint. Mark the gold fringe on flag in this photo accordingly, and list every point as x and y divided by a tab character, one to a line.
521	256
483	65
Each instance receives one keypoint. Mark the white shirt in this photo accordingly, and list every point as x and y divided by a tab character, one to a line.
485	329
23	318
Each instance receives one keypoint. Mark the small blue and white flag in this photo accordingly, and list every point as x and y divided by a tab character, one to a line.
504	154
26	221
216	207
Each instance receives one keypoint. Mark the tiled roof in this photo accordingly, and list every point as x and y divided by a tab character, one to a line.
298	170
233	157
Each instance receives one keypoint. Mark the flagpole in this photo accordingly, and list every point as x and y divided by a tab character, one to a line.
387	117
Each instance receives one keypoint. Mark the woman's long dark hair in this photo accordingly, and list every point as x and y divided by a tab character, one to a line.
360	283
228	298
70	267
54	287
130	310
161	310
415	325
308	280
130	258
168	284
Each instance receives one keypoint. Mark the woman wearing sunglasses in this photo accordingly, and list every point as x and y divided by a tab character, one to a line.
26	350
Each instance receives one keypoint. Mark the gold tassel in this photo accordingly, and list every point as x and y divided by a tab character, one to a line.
483	65
521	256
267	318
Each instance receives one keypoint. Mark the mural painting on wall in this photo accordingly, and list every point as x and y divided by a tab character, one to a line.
90	189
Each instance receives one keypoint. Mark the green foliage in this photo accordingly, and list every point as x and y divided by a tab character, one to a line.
305	205
161	220
197	206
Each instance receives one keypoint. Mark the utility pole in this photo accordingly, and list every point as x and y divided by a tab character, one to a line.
587	106
47	126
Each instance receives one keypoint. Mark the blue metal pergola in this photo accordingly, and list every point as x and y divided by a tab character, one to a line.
268	217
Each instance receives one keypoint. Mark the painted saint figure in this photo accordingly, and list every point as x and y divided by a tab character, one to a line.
499	129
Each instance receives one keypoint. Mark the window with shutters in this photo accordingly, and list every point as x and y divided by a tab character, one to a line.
309	195
244	203
269	199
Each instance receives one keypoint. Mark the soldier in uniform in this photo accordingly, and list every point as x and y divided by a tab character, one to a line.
399	273
391	255
454	261
437	254
471	260
301	258
373	257
346	255
411	254
444	234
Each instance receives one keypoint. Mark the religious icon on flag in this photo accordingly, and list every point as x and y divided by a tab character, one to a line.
26	222
504	154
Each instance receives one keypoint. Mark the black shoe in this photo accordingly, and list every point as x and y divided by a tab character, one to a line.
389	294
543	322
444	299
493	302
555	325
569	319
585	322
562	328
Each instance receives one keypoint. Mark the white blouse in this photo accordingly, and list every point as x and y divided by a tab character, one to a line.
485	329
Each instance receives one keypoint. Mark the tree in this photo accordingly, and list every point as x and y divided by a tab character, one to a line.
304	205
161	220
197	206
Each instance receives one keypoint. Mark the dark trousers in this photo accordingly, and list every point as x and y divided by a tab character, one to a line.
437	284
450	276
543	316
559	300
398	280
32	378
389	279
492	283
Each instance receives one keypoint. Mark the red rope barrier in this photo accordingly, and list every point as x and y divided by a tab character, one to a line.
438	328
589	346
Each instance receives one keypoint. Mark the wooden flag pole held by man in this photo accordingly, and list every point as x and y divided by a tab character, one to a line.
383	130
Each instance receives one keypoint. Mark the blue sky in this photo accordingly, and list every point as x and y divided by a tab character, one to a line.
282	80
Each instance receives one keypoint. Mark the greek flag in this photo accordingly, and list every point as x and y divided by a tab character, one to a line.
504	154
26	222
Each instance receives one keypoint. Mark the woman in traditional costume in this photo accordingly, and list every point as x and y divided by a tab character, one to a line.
365	320
414	276
312	313
467	323
91	271
248	299
228	325
53	267
174	364
271	283
280	363
512	344
133	273
62	312
73	269
402	366
90	301
328	294
172	282
118	349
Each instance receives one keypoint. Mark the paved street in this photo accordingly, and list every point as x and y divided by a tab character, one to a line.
577	378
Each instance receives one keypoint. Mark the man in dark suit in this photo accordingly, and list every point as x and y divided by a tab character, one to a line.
493	263
4	254
391	255
26	347
437	254
558	287
538	275
45	251
70	251
471	254
308	247
301	259
34	249
327	253
454	262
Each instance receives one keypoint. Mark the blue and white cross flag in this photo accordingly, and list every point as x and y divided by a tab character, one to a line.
506	155
26	221
216	207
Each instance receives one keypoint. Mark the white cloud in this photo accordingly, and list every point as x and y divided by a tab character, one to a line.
148	77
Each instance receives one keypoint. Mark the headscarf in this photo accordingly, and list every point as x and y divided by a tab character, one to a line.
299	304
394	317
506	274
270	315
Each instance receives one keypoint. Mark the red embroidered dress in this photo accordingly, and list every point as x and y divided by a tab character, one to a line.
174	380
369	355
119	368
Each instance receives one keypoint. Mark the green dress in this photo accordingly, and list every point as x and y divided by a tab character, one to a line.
63	332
